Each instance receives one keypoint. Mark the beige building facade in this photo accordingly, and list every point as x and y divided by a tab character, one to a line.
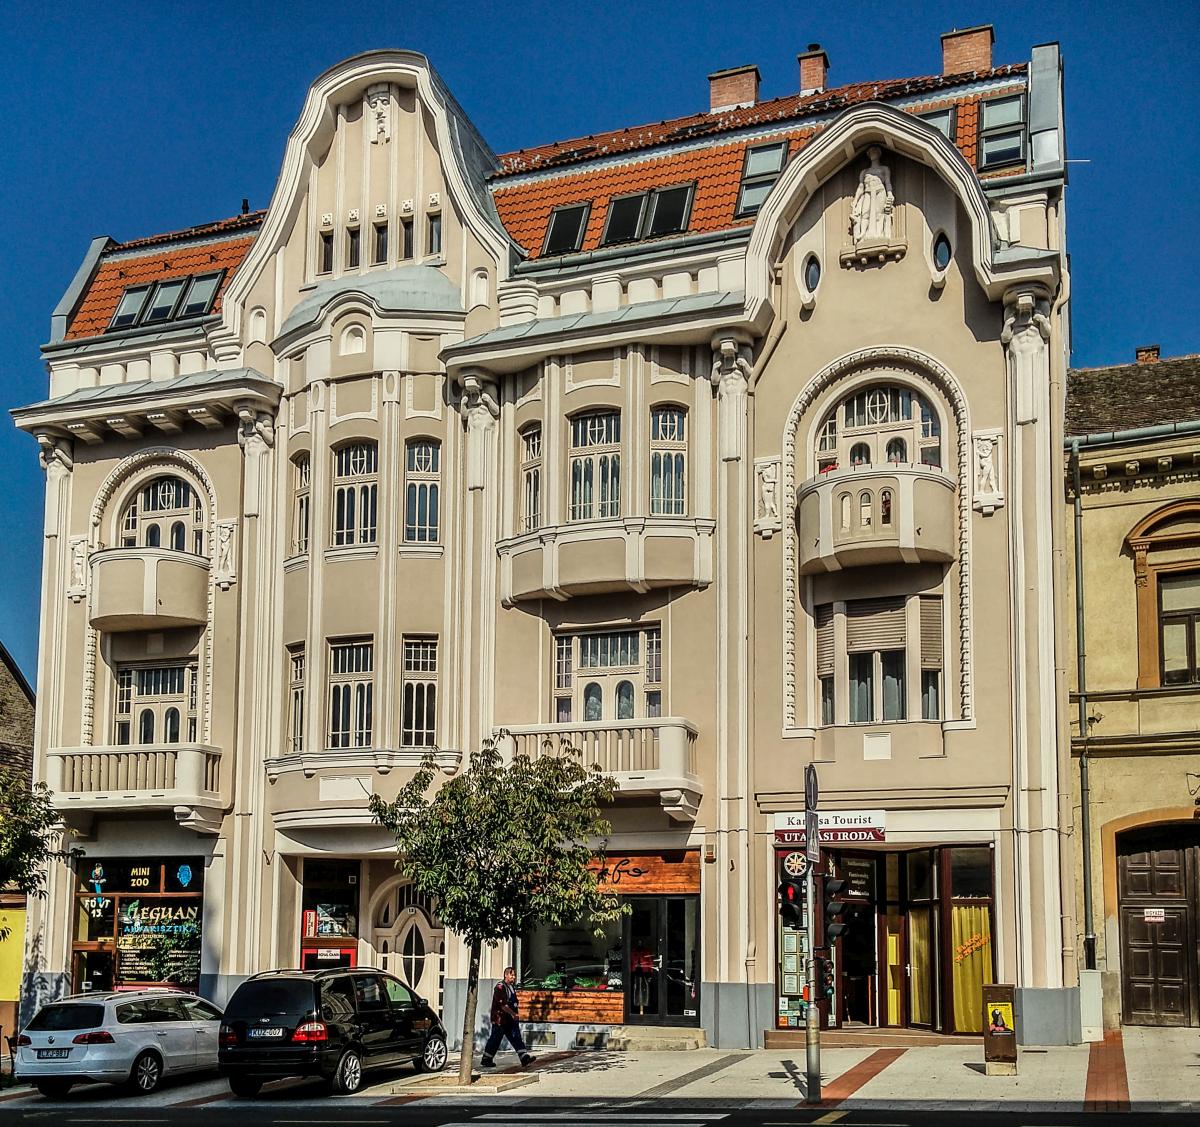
1134	430
714	449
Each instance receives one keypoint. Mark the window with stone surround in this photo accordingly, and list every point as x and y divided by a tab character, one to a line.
166	512
531	478
355	494
422	488
880	425
419	720
295	658
351	692
155	704
606	675
668	461
301	480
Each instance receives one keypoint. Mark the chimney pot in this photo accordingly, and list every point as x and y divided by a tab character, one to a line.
729	89
814	69
968	50
1147	354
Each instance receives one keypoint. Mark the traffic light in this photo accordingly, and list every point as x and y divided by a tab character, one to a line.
834	925
791	902
825	981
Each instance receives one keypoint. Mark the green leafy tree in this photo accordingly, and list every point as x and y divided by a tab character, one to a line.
503	847
30	833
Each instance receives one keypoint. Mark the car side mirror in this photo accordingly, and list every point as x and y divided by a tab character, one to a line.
421	1001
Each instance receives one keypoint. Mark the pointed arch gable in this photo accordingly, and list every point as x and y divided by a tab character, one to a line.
874	123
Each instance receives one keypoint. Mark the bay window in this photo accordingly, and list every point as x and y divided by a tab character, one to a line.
595	465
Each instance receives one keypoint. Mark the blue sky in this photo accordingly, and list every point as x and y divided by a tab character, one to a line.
129	119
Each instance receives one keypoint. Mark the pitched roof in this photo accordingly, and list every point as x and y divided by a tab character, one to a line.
176	254
525	199
1131	396
786	108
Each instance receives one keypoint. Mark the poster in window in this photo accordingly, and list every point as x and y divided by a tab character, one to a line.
158	940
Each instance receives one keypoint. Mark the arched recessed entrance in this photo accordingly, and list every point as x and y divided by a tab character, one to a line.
1158	905
409	939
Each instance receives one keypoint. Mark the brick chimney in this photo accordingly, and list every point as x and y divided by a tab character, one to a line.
728	89
968	50
814	69
1147	354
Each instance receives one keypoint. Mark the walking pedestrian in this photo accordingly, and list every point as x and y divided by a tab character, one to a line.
506	1021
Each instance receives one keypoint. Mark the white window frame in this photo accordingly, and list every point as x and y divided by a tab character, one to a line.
874	416
531	477
351	693
608	659
594	465
422	491
355	510
164	512
301	502
157	690
419	693
668	461
296	711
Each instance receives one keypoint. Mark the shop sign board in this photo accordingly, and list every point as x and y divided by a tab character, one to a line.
999	1030
834	827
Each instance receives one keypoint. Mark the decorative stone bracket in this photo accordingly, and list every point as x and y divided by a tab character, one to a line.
987	471
768	518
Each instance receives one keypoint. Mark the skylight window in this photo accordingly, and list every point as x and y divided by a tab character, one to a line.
1002	131
763	165
663	211
169	300
567	225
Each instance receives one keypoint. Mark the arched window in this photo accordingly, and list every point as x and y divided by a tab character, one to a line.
167	501
596	465
531	477
354	340
625	700
301	477
422	477
668	455
355	494
593	707
844	508
171	726
885	507
146	727
895	421
864	510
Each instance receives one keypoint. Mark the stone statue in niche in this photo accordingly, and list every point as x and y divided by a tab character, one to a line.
985	471
770	491
874	204
379	106
985	466
78	563
225	547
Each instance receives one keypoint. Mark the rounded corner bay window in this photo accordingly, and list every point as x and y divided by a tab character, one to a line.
885	420
812	273
942	251
166	512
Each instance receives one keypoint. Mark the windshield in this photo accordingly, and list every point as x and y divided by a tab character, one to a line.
272	996
68	1015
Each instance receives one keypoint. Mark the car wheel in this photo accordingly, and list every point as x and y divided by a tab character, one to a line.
146	1073
348	1076
433	1059
54	1089
245	1086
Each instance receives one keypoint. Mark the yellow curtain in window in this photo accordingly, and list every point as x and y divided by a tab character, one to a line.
971	962
920	960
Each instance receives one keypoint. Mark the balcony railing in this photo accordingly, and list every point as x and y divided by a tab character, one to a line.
874	514
147	589
652	757
183	778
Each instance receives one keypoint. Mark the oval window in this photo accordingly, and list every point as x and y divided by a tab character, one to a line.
812	273
941	251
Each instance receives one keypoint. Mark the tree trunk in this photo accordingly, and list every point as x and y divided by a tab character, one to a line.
466	1059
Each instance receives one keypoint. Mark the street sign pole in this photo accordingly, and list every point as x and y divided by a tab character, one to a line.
812	1028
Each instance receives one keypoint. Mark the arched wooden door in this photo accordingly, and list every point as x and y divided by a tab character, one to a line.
410	941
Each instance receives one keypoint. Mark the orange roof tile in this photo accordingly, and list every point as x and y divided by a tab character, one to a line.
113	275
525	204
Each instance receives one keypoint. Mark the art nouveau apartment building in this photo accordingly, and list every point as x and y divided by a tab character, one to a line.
713	448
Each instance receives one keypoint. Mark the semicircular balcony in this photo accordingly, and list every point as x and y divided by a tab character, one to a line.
147	589
876	514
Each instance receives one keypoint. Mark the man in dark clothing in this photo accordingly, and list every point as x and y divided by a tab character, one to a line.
505	1021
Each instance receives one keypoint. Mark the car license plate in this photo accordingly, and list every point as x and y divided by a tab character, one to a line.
256	1033
53	1054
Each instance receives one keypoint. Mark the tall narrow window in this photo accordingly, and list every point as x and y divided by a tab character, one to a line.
296	699
433	235
301	479
355	494
124	704
1179	624
531	477
419	722
422	475
668	458
325	253
564	646
931	657
823	626
381	243
406	238
654	671
596	465
353	248
862	688
351	692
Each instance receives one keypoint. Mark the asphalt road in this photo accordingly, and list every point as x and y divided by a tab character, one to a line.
302	1105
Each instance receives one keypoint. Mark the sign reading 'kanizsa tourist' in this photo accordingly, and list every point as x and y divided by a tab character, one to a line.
834	826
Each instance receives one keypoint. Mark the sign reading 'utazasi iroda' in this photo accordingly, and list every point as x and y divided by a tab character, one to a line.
835	827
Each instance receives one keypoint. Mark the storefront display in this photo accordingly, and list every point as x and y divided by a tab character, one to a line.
329	914
138	924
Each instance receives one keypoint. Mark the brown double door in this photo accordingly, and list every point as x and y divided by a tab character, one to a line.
1158	873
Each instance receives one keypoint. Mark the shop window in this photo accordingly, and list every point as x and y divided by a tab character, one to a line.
165	505
894	420
329	902
351	692
531	477
668	456
419	720
355	494
970	874
422	485
595	465
572	957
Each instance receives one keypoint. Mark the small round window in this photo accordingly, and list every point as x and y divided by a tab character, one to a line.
812	273
941	251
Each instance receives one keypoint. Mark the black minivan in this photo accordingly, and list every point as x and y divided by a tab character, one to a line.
333	1024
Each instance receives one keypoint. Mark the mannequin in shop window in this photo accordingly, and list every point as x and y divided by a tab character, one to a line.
641	965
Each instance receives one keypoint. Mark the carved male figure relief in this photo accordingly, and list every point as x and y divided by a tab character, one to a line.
985	466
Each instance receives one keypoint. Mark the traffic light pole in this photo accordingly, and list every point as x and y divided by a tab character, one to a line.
812	1029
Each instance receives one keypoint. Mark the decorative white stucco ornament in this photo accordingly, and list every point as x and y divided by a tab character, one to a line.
874	203
379	107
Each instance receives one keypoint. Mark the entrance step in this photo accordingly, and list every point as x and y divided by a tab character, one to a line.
655	1038
867	1038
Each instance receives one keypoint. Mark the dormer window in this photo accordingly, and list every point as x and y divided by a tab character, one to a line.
941	120
763	165
169	300
648	215
1002	131
567	225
